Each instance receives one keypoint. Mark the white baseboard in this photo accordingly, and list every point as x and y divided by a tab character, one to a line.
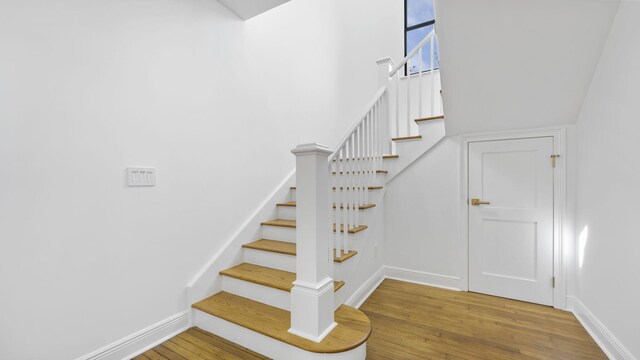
611	346
423	278
362	294
143	340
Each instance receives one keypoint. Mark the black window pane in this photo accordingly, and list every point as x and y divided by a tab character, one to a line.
413	39
419	11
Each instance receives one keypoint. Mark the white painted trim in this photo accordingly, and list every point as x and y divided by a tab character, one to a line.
143	340
560	200
207	282
362	294
611	346
423	278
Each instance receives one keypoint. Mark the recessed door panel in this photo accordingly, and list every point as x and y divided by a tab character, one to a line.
511	219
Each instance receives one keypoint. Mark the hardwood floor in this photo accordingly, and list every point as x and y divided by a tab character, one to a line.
197	344
420	322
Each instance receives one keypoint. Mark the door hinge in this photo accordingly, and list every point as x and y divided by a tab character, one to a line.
553	160
553	282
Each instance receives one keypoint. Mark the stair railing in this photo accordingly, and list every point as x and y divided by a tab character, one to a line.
332	187
414	70
353	167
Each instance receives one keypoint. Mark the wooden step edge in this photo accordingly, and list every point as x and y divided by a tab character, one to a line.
390	156
287	248
437	117
353	329
344	256
280	223
354	230
342	188
379	172
360	207
292	224
369	188
266	276
414	137
289	203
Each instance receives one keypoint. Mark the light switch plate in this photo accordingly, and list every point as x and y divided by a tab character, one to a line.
141	176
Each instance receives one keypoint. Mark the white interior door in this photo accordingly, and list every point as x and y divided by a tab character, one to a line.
511	236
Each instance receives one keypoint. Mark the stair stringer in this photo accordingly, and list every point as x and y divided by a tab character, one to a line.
208	280
432	131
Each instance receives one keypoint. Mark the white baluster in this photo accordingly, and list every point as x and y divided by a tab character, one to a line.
420	84
397	110
408	80
433	76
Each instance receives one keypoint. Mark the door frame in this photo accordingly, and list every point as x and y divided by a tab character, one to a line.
560	257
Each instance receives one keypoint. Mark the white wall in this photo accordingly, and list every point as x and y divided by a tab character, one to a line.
608	178
88	88
422	218
518	64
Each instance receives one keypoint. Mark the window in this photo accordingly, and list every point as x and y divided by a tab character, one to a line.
419	20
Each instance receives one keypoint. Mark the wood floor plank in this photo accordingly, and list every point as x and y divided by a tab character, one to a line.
413	321
205	339
197	344
152	355
167	353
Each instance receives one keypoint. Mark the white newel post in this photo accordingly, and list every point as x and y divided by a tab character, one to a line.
385	66
312	294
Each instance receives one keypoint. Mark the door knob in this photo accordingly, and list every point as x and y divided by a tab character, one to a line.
476	202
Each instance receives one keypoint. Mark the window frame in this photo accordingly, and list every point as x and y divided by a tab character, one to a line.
410	28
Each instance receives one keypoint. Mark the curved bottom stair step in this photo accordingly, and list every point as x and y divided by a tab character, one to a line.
353	327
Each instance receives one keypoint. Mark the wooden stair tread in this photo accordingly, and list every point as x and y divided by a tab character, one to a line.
288	248
390	156
437	117
280	223
342	188
414	137
266	276
361	207
292	224
353	327
379	172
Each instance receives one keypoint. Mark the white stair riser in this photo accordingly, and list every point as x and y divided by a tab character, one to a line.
288	234
287	262
381	182
289	213
279	233
265	345
264	294
270	259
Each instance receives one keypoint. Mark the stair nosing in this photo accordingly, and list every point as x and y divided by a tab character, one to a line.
429	118
360	207
405	138
292	224
255	280
339	259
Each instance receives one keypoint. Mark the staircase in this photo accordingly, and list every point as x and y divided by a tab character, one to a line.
284	295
